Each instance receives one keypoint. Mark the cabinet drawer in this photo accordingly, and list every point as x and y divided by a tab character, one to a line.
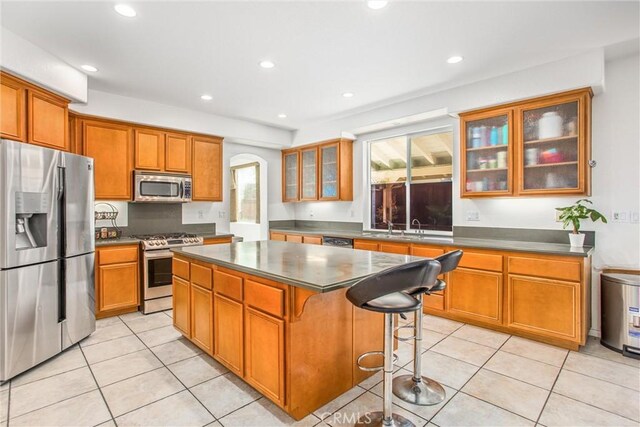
201	276
365	245
217	240
278	236
118	255
426	251
540	267
294	238
312	240
180	268
481	261
228	285
394	248
265	298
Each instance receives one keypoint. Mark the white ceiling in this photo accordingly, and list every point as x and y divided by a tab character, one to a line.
173	52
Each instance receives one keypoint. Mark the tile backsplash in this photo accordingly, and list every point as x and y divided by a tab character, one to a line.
154	218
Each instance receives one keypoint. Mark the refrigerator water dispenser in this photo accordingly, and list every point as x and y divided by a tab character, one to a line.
31	220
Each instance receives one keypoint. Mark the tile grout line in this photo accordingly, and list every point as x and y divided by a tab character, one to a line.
174	375
98	386
49	376
470	378
595	407
600	379
55	403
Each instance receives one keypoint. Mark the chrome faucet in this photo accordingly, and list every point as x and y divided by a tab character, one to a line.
389	227
419	225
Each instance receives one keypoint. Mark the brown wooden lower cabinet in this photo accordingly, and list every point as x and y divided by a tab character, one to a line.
544	306
202	318
268	334
475	294
116	280
216	240
181	306
228	327
295	238
537	296
264	354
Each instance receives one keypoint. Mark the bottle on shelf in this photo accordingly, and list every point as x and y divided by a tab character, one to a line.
494	136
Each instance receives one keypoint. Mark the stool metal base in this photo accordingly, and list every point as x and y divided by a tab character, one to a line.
376	419
425	392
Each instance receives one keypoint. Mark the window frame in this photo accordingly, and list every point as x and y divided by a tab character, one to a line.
367	185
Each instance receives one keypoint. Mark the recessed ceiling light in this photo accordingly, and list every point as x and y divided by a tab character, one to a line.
348	94
454	59
282	116
90	68
125	10
376	4
267	64
206	97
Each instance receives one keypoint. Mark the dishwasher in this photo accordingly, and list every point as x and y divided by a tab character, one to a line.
341	242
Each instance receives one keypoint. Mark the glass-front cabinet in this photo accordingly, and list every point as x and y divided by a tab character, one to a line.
319	171
309	174
554	146
536	147
290	191
487	158
329	169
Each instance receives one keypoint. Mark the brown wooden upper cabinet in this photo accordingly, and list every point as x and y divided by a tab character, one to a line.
207	169
32	114
540	146
110	146
290	175
148	149
177	154
160	151
321	171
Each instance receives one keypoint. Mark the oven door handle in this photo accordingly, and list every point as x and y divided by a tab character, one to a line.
157	254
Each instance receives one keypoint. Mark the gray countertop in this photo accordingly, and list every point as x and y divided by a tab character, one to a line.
319	268
127	240
462	242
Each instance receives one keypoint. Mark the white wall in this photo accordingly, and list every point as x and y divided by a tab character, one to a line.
28	61
580	71
219	212
118	107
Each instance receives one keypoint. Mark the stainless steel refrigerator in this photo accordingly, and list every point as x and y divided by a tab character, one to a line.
47	246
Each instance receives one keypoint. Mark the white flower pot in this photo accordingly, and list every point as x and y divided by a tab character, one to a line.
577	240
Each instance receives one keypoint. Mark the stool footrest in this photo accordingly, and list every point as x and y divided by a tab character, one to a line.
399	338
374	368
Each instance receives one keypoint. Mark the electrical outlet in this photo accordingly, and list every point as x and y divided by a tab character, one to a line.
473	216
618	216
352	213
558	214
200	214
221	214
310	213
634	217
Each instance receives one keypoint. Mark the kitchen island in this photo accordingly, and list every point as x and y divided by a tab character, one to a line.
275	314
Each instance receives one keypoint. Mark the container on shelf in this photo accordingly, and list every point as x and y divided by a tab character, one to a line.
531	156
550	125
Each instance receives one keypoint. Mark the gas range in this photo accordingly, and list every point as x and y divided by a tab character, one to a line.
166	241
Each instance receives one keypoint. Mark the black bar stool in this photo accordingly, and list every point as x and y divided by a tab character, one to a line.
415	388
383	292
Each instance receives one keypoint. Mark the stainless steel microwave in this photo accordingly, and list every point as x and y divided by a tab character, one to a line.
158	187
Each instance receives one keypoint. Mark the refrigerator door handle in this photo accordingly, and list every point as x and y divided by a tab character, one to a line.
62	212
62	290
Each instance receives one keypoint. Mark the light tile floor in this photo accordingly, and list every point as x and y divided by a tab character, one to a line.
137	370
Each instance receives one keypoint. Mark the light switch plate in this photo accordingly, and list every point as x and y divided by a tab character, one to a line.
618	216
634	217
473	216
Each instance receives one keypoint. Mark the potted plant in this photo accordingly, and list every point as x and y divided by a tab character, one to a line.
574	214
